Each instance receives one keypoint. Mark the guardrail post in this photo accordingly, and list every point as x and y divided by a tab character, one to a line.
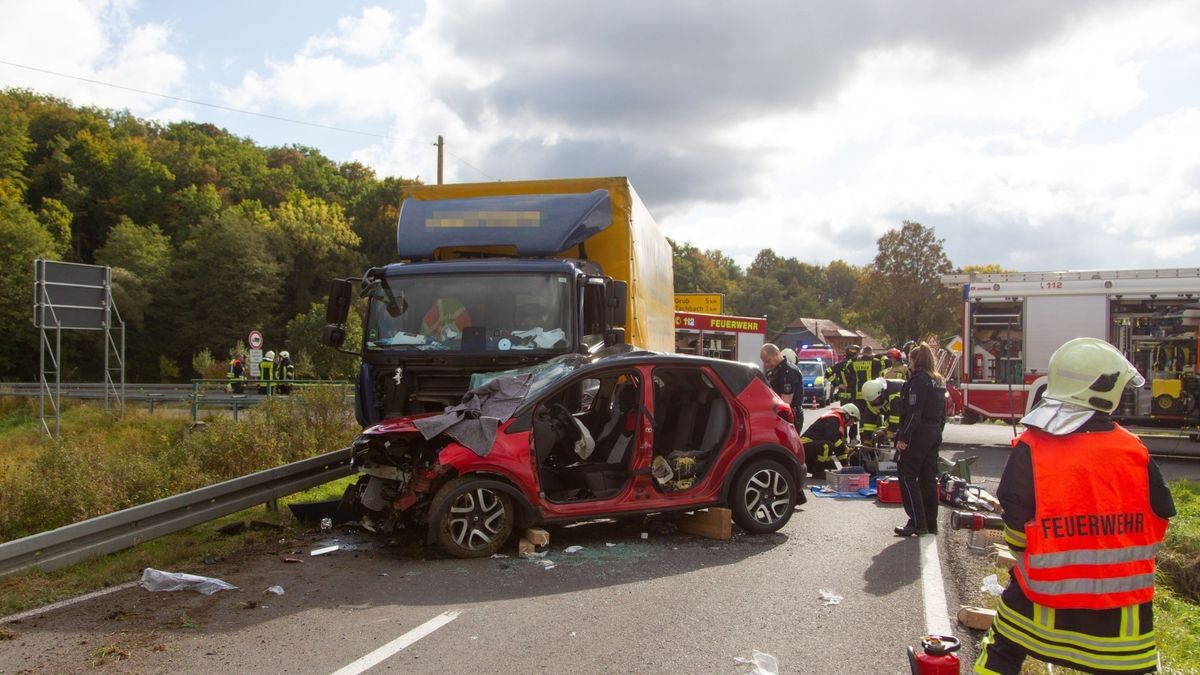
153	398
195	401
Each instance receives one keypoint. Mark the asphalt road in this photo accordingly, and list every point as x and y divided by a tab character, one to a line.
666	604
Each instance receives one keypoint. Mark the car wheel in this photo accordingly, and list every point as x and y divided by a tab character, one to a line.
471	518
762	497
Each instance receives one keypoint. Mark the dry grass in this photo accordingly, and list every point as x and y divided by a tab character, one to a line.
102	465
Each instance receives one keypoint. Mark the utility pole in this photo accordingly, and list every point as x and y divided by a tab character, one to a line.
441	144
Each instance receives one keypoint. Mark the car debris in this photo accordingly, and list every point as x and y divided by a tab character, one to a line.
762	663
274	590
291	559
829	597
324	549
230	529
572	549
157	580
990	584
326	524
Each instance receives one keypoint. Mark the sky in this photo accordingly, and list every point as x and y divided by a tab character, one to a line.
1030	134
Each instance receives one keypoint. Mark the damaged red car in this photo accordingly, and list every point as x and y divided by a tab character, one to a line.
577	438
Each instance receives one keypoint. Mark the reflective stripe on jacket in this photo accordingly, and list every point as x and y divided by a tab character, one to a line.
1093	537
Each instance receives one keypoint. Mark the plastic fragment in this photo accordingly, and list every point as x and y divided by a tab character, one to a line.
276	590
829	597
572	549
157	580
326	524
546	564
534	554
990	584
609	544
762	663
499	555
323	550
291	559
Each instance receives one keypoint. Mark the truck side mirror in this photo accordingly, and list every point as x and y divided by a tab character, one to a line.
615	336
337	308
333	335
595	306
618	302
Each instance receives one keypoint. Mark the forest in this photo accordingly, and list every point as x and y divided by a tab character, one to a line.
210	235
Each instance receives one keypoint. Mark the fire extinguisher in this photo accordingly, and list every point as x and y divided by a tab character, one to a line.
977	368
937	656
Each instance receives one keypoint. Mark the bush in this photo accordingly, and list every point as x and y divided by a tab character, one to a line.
101	466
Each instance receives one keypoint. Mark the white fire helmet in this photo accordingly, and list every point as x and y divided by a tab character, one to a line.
1091	373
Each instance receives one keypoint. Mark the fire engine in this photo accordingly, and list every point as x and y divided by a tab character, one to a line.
1013	322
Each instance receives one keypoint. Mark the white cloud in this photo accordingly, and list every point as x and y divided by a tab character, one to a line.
92	39
367	36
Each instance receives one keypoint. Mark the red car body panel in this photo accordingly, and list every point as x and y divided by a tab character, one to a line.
754	423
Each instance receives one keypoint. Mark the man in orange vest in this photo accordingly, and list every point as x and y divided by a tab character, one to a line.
1084	508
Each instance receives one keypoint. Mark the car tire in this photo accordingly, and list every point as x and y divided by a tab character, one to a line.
471	517
762	496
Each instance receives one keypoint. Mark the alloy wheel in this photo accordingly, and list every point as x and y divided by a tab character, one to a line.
475	517
767	496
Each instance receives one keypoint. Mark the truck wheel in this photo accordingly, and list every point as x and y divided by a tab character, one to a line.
471	518
762	496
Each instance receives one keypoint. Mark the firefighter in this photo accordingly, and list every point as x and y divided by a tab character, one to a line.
825	439
785	380
839	377
917	441
882	397
865	367
285	371
237	375
1084	509
266	372
895	369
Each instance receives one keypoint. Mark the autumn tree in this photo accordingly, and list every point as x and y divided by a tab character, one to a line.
905	294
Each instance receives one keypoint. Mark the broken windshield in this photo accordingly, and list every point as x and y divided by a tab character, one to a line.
544	374
470	313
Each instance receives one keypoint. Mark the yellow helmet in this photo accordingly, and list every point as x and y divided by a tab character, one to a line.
873	389
1091	373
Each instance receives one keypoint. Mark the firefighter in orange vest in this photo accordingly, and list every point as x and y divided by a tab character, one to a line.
1084	510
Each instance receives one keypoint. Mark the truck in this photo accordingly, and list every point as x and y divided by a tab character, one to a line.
496	276
1012	323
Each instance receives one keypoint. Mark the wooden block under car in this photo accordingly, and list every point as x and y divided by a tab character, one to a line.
538	536
525	547
1004	556
713	523
979	618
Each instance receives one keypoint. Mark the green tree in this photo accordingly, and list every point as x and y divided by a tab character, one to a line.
906	296
145	251
217	294
22	240
304	342
990	268
317	245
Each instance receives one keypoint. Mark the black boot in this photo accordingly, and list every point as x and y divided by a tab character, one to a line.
909	530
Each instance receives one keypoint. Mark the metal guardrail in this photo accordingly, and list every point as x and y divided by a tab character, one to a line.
116	531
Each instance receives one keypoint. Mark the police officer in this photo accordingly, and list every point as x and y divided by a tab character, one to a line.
918	440
1084	509
826	439
785	379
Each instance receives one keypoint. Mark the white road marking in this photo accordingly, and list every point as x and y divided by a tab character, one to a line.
383	653
67	602
937	619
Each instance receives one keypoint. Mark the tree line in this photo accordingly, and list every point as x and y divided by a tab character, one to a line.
211	235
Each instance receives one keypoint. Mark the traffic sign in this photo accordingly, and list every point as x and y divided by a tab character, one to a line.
255	339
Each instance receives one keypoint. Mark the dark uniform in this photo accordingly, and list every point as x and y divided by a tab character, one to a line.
826	439
921	422
888	411
785	379
862	369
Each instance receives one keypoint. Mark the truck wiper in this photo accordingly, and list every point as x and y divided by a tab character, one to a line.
394	309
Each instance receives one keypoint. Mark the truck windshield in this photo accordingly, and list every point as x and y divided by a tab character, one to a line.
475	313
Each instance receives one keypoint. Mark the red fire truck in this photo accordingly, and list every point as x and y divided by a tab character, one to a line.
1013	322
